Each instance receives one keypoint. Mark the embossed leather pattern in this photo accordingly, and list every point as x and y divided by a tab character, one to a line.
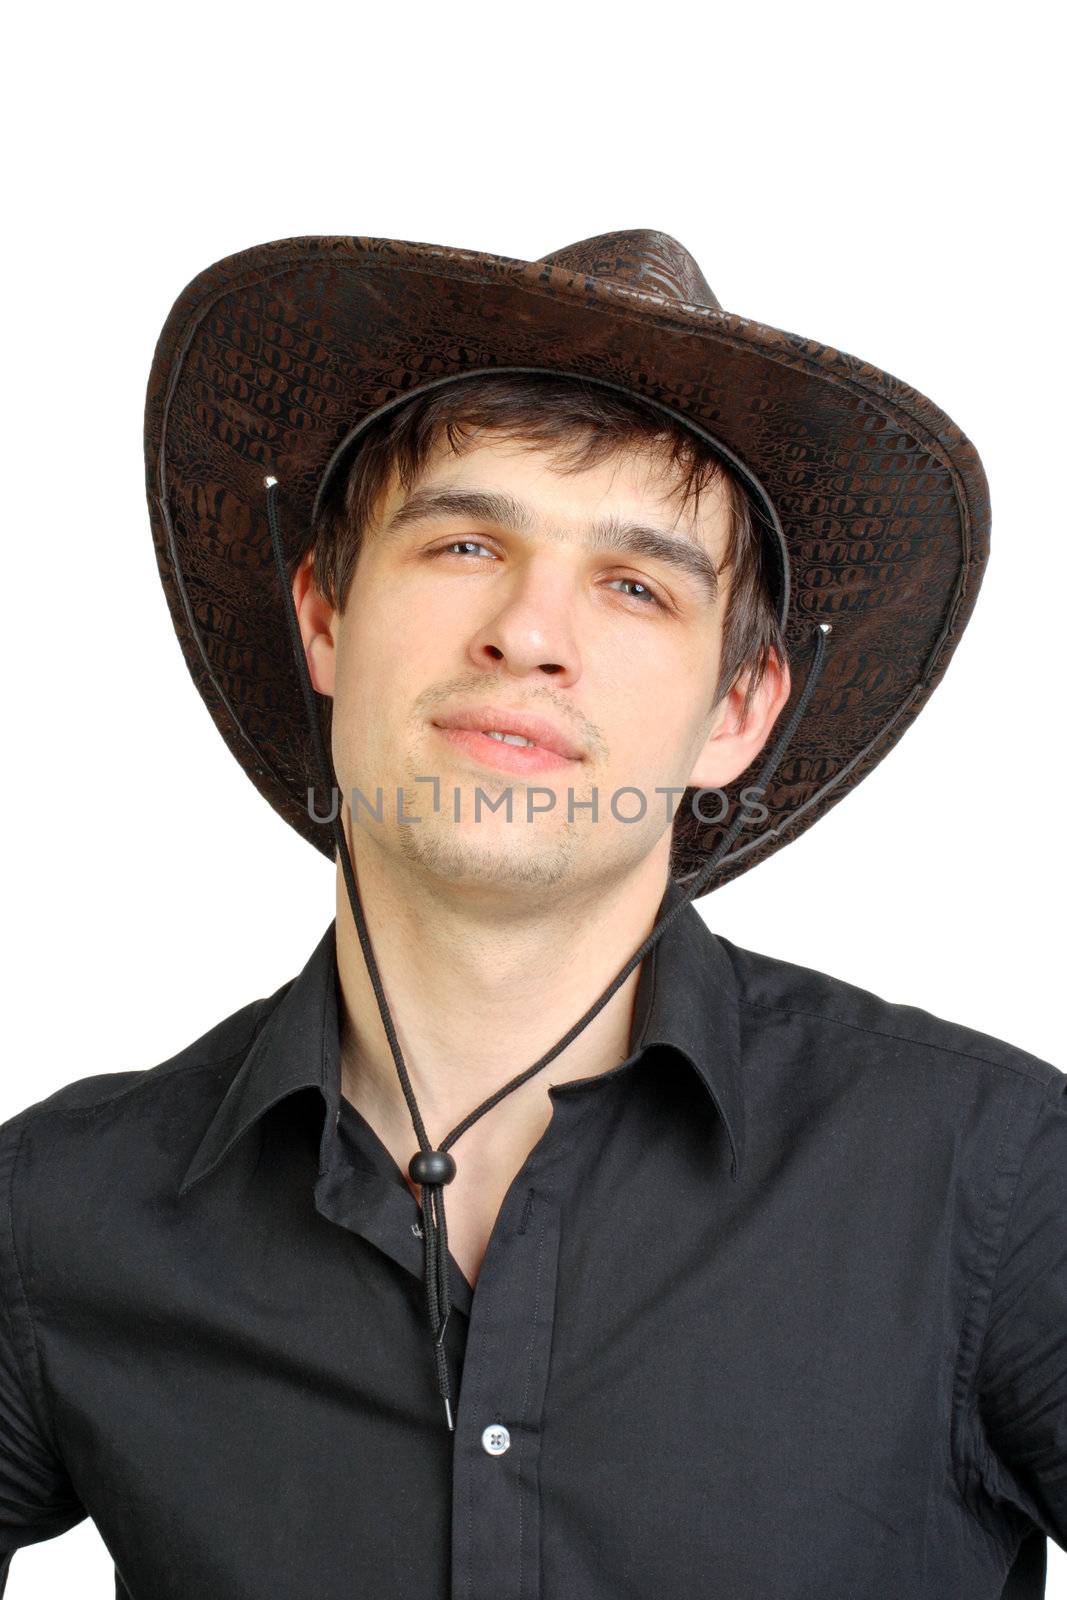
270	356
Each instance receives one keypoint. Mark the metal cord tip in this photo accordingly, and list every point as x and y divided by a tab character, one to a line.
268	483
448	1414
827	627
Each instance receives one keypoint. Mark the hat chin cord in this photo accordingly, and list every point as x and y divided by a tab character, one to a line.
433	1168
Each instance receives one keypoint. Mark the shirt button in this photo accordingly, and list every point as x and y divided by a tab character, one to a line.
496	1439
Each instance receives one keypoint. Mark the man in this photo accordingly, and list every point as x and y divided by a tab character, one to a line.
742	1281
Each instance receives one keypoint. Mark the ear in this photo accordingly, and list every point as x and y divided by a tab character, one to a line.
317	620
733	744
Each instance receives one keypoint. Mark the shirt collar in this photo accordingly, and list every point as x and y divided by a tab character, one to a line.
686	1000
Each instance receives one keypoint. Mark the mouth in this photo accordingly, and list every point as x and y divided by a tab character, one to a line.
519	741
504	753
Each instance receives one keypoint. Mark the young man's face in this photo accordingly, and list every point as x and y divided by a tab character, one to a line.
519	612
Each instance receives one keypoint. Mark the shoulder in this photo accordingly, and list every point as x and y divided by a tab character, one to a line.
78	1137
804	1005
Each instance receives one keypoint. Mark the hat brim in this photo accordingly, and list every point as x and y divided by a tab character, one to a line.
272	356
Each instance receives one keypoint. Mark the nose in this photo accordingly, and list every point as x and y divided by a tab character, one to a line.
533	629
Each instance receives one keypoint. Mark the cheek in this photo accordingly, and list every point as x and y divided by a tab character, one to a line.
398	619
653	735
661	701
387	654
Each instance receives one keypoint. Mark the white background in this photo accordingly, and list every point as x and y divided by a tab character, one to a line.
886	180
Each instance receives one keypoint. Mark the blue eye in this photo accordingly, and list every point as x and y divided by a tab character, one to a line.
448	548
637	584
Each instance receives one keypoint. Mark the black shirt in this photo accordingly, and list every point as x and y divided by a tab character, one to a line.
774	1310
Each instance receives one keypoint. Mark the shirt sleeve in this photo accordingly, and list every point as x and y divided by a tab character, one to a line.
1022	1377
37	1498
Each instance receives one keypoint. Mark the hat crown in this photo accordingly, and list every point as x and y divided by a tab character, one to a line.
640	258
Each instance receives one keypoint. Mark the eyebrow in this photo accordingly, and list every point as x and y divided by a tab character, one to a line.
610	534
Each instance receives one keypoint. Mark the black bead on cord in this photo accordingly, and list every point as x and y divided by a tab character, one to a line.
433	1168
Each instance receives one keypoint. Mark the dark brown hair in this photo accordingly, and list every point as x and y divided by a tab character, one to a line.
580	425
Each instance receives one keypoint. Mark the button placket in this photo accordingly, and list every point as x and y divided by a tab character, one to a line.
495	1510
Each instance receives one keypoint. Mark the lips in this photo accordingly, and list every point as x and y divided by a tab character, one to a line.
498	719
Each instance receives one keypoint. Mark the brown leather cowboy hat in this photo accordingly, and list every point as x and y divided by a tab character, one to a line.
273	359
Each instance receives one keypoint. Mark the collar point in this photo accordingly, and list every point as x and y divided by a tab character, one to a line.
192	1177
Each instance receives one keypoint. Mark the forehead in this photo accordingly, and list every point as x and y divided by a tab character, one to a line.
635	481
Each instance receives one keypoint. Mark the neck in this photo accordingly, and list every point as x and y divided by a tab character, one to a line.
478	988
